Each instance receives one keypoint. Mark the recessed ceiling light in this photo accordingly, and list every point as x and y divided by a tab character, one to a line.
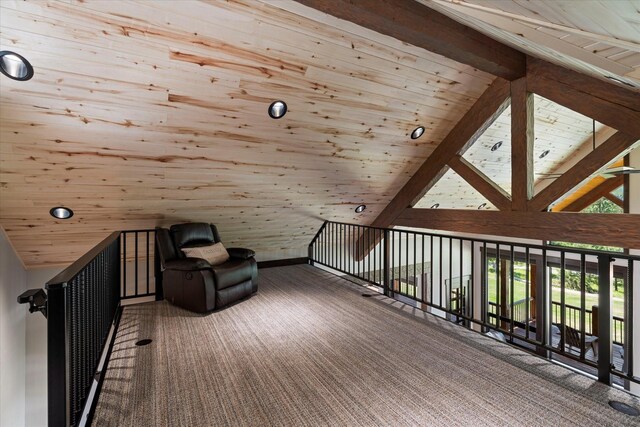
15	66
482	206
435	206
544	154
361	208
60	212
417	132
617	80
277	109
496	146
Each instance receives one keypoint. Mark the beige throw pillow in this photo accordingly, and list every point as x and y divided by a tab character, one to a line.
214	254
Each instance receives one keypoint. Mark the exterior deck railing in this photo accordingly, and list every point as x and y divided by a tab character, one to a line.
509	287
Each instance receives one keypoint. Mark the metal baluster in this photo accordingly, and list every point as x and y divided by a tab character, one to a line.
431	270
147	263
526	293
511	291
472	282
124	264
604	318
563	308
498	300
462	304
583	329
628	319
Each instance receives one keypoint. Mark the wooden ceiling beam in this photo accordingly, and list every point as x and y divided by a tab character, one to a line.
473	124
418	25
480	116
482	183
595	194
604	153
522	140
608	103
597	229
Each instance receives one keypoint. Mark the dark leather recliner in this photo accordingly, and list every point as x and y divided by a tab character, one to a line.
193	283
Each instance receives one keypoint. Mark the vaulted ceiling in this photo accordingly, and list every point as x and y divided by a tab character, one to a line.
151	113
600	37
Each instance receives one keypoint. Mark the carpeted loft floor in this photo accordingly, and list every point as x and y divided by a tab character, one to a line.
309	350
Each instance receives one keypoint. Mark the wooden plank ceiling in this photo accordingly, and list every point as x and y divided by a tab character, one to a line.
597	37
151	113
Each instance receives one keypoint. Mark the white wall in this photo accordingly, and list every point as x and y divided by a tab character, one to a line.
36	354
13	281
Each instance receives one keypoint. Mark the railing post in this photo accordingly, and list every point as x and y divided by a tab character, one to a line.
313	242
605	272
57	356
157	270
385	259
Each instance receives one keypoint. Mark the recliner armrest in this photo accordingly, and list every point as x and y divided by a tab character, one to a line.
241	253
187	264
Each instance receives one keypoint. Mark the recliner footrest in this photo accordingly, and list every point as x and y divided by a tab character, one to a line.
233	293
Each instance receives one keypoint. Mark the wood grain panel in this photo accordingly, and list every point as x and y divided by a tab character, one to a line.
151	113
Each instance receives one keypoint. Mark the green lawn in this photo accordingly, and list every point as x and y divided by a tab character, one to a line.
571	297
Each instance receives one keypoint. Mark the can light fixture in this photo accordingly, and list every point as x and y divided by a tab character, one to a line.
544	154
61	212
482	206
417	132
496	146
361	208
15	66
435	206
277	109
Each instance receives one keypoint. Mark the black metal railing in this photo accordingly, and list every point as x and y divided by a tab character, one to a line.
83	305
538	296
138	272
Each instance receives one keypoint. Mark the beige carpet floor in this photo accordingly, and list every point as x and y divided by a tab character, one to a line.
309	350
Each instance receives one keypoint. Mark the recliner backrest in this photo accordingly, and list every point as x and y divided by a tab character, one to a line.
193	234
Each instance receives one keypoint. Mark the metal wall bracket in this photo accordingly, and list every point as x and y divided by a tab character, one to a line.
37	299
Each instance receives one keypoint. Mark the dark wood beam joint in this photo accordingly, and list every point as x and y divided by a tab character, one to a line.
483	184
